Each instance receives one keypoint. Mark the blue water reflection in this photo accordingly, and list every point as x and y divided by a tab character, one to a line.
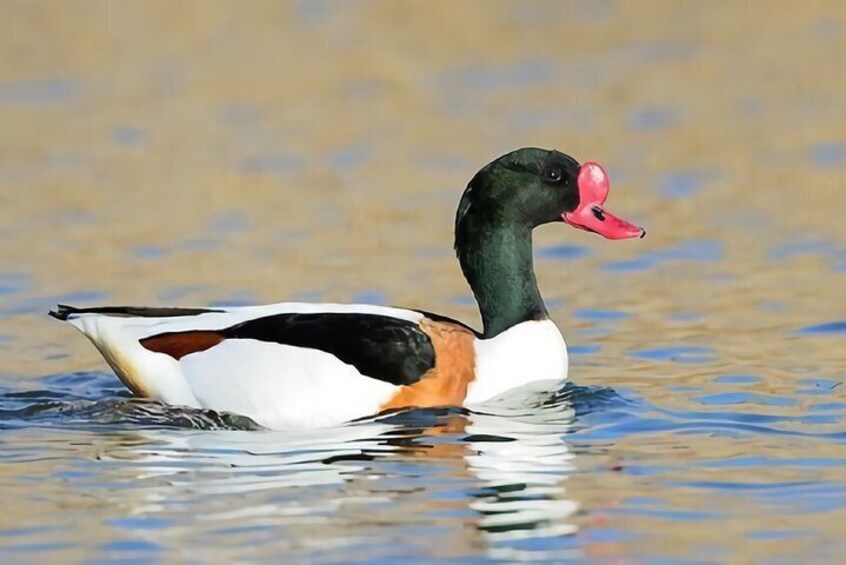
829	155
701	250
683	184
49	91
602	315
838	327
651	119
129	136
14	283
564	252
350	157
677	354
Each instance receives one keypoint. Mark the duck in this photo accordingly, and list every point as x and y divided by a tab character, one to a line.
304	365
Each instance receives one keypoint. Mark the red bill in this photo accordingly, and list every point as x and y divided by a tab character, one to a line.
590	215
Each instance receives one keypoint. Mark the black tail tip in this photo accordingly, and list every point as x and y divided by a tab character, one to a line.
62	312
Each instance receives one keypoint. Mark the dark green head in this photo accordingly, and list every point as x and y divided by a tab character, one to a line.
530	187
527	187
503	203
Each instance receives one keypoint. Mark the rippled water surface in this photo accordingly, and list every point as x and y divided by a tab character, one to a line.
205	154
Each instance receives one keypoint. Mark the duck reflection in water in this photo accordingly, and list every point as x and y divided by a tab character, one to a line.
501	470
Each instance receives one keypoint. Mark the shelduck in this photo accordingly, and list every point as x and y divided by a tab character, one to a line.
304	365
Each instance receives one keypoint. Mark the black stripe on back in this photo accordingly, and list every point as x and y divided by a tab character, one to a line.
62	311
381	347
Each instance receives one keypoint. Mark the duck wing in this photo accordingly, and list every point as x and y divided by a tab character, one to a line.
386	348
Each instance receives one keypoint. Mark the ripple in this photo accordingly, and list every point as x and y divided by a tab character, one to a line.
174	293
817	386
457	90
509	485
350	157
378	297
56	90
41	304
14	283
95	399
148	252
737	379
240	114
132	546
838	327
651	118
702	250
141	523
200	244
829	155
685	183
235	298
792	249
752	461
128	136
583	349
729	398
602	315
486	78
230	222
562	252
463	300
677	354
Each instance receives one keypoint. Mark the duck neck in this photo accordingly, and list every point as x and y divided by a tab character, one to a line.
496	259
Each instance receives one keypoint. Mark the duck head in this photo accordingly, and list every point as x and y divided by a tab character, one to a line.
493	227
530	187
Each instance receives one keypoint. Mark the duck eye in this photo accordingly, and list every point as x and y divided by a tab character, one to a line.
553	174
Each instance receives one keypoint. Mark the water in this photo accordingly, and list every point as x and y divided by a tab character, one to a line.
205	157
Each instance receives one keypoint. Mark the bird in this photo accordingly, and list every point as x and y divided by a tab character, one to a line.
303	365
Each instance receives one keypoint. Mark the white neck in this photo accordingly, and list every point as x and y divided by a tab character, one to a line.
528	352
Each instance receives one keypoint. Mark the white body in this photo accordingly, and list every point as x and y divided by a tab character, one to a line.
283	386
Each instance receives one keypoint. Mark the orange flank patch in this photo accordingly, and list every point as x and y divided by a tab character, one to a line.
179	344
455	367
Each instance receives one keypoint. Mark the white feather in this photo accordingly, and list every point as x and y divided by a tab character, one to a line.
159	375
528	352
282	386
275	385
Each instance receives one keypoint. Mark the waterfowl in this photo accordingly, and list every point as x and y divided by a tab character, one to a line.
304	365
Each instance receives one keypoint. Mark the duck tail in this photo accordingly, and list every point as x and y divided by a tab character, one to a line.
63	312
118	346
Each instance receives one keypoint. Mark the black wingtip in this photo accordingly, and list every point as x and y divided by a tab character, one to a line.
62	312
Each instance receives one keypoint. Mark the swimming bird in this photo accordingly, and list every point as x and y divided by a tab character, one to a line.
306	365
